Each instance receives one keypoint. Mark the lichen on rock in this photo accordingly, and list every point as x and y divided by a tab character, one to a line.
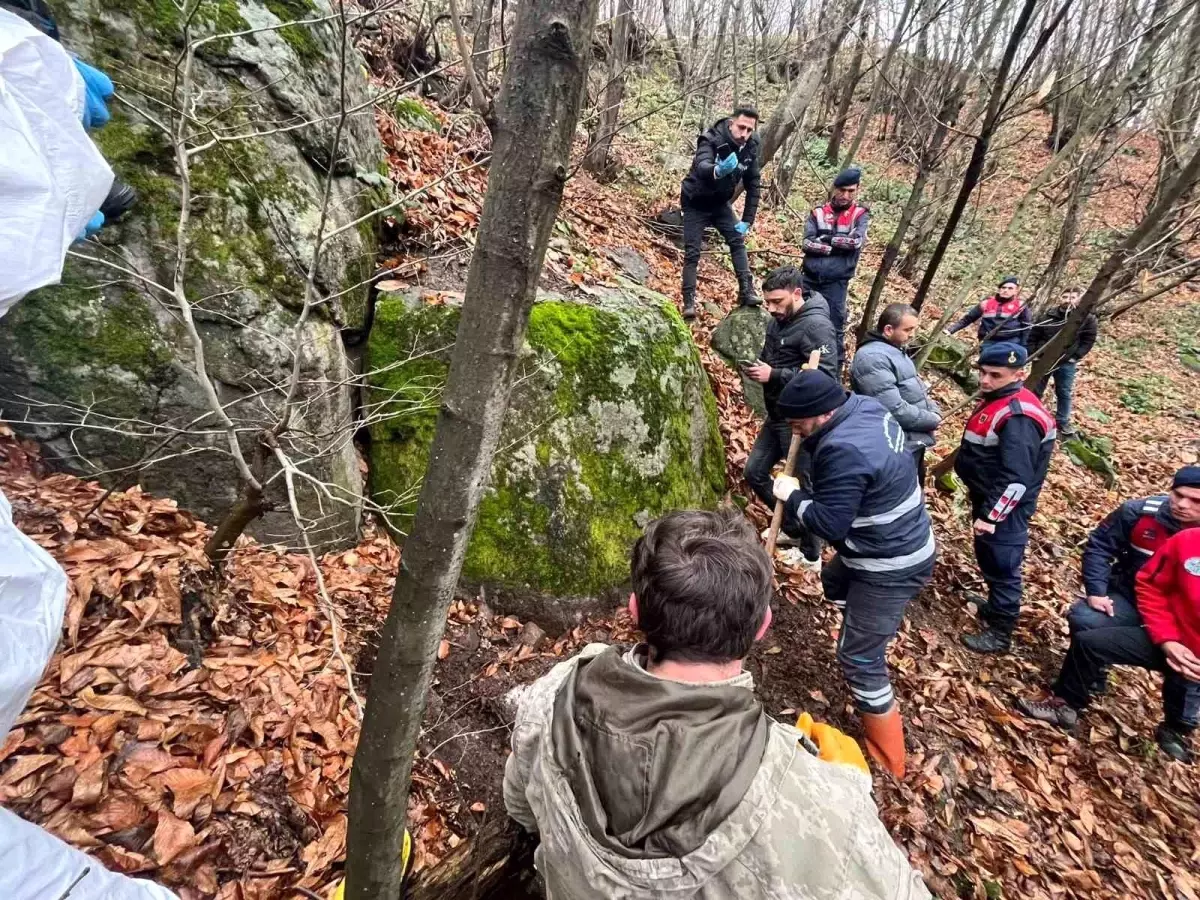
115	347
612	423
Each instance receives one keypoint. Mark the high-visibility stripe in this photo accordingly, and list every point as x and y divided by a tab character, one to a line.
1008	501
1146	550
909	503
872	695
893	563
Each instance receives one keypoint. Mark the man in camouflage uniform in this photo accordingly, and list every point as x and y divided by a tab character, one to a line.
656	772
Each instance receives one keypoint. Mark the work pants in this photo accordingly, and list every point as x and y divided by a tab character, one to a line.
723	218
769	448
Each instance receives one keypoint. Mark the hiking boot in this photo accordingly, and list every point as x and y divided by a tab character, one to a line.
982	604
689	309
1066	432
749	298
1174	744
990	640
1054	710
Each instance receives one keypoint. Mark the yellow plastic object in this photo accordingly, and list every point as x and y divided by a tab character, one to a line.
833	745
339	892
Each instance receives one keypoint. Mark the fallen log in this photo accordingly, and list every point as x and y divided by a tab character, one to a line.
495	864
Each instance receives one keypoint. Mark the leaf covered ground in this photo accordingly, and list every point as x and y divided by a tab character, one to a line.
201	732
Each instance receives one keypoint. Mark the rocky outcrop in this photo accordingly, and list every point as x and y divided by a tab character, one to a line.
99	367
612	423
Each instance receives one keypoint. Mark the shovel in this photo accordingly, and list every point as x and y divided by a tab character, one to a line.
789	468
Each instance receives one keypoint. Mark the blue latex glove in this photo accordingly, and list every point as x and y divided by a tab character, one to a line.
99	88
94	224
726	165
742	227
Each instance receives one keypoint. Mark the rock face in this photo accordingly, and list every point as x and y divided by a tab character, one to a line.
265	107
739	338
612	423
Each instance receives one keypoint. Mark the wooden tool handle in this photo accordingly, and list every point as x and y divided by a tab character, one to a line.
789	468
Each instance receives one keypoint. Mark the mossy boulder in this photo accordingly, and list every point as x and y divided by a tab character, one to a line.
739	339
108	350
612	423
956	360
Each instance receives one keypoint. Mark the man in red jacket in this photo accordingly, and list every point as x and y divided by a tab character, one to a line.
1167	641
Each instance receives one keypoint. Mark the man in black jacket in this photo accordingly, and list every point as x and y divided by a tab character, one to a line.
1063	371
726	156
799	325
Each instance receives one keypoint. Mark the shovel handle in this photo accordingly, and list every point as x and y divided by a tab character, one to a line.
789	468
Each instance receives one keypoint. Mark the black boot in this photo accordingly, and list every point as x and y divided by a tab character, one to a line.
982	605
990	640
1173	743
689	308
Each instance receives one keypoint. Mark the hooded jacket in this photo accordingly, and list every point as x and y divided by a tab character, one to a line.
789	343
703	190
1054	320
642	787
884	371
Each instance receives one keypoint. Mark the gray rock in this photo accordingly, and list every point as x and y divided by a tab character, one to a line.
631	263
739	338
115	350
612	422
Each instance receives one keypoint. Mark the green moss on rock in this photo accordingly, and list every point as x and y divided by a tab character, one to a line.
612	423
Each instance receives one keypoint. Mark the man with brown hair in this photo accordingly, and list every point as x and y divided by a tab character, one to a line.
656	771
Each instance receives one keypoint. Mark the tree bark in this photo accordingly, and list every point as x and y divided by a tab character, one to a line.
791	108
478	98
997	101
596	160
680	66
536	114
834	148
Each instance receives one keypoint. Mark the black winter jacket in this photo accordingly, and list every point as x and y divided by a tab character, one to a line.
1052	322
703	190
790	342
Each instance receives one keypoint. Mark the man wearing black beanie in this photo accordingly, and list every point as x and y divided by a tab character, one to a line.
863	497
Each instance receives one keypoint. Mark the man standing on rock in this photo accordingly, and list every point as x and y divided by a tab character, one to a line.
881	369
1003	458
799	325
655	771
833	242
1063	369
726	156
863	497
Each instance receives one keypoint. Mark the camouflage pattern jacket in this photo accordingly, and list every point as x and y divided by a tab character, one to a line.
803	829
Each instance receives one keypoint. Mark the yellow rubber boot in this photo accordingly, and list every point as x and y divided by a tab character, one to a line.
885	739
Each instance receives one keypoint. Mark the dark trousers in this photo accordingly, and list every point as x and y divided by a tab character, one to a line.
1081	617
769	448
1064	386
725	221
1000	557
834	293
1095	649
918	452
872	610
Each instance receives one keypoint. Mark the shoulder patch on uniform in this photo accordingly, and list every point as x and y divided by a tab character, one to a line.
1192	565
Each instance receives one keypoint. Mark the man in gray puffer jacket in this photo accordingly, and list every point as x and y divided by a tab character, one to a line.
657	773
881	369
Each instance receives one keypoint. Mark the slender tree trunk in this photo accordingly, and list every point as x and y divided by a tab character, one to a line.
596	160
536	114
481	40
834	148
997	101
673	43
880	82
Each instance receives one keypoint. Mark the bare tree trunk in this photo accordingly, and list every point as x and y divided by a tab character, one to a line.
481	40
1000	95
596	160
791	108
478	98
673	42
834	148
880	82
537	111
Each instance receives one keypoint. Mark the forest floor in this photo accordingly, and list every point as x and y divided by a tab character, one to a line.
220	767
